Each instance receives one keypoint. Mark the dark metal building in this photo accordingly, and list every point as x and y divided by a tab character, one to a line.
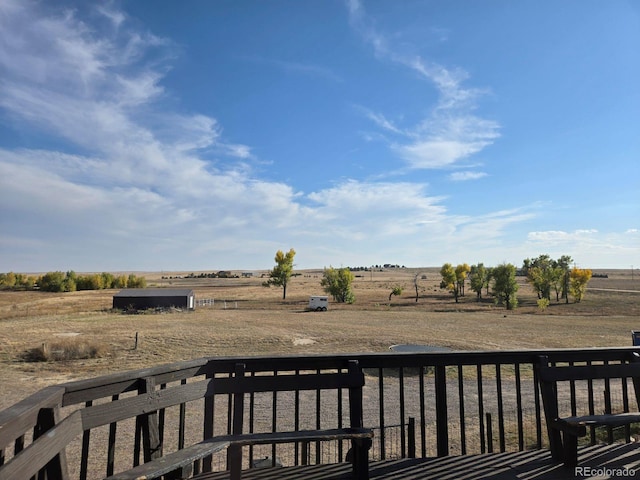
143	298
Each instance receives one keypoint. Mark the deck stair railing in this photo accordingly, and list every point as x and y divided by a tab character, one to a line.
438	403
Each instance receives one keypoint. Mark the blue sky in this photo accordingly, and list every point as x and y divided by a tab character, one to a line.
200	135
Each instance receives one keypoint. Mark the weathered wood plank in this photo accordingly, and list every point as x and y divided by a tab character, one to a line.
187	456
109	385
613	420
589	372
29	461
172	461
298	436
145	403
106	413
23	416
284	383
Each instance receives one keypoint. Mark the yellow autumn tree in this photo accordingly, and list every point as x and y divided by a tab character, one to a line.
448	274
462	271
281	273
578	280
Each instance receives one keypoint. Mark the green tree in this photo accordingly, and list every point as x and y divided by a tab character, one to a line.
539	272
487	282
69	282
28	282
281	273
478	278
564	262
556	277
108	280
579	278
8	280
20	280
505	286
120	281
338	283
546	274
395	291
51	282
136	282
94	281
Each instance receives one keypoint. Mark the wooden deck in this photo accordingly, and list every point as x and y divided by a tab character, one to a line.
606	460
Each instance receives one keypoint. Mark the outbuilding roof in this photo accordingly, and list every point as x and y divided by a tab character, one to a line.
154	292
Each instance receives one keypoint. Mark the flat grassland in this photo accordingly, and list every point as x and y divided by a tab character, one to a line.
249	319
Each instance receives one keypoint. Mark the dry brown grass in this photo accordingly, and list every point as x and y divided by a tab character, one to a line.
67	350
257	321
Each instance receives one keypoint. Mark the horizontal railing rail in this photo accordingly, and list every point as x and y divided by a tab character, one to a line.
453	403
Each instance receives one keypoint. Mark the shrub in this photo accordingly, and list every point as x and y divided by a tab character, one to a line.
136	282
543	303
69	349
52	282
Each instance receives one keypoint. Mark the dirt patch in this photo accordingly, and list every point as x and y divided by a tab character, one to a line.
303	341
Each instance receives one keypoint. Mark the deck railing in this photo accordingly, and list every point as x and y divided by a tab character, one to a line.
432	404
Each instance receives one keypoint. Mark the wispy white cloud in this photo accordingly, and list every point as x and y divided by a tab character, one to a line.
116	17
451	132
381	121
239	151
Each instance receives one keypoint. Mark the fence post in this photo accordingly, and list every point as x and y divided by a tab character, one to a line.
411	432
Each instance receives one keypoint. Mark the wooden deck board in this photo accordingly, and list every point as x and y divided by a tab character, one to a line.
528	465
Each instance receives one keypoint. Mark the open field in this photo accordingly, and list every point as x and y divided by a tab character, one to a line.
257	321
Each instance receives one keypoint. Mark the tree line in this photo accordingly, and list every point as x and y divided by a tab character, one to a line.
69	281
545	275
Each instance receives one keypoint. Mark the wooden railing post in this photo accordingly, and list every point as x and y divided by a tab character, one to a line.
208	427
411	441
148	425
56	469
442	421
234	452
489	433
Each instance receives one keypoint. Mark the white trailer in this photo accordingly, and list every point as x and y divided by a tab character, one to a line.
318	303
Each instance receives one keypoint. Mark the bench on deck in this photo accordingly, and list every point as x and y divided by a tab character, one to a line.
565	431
178	465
